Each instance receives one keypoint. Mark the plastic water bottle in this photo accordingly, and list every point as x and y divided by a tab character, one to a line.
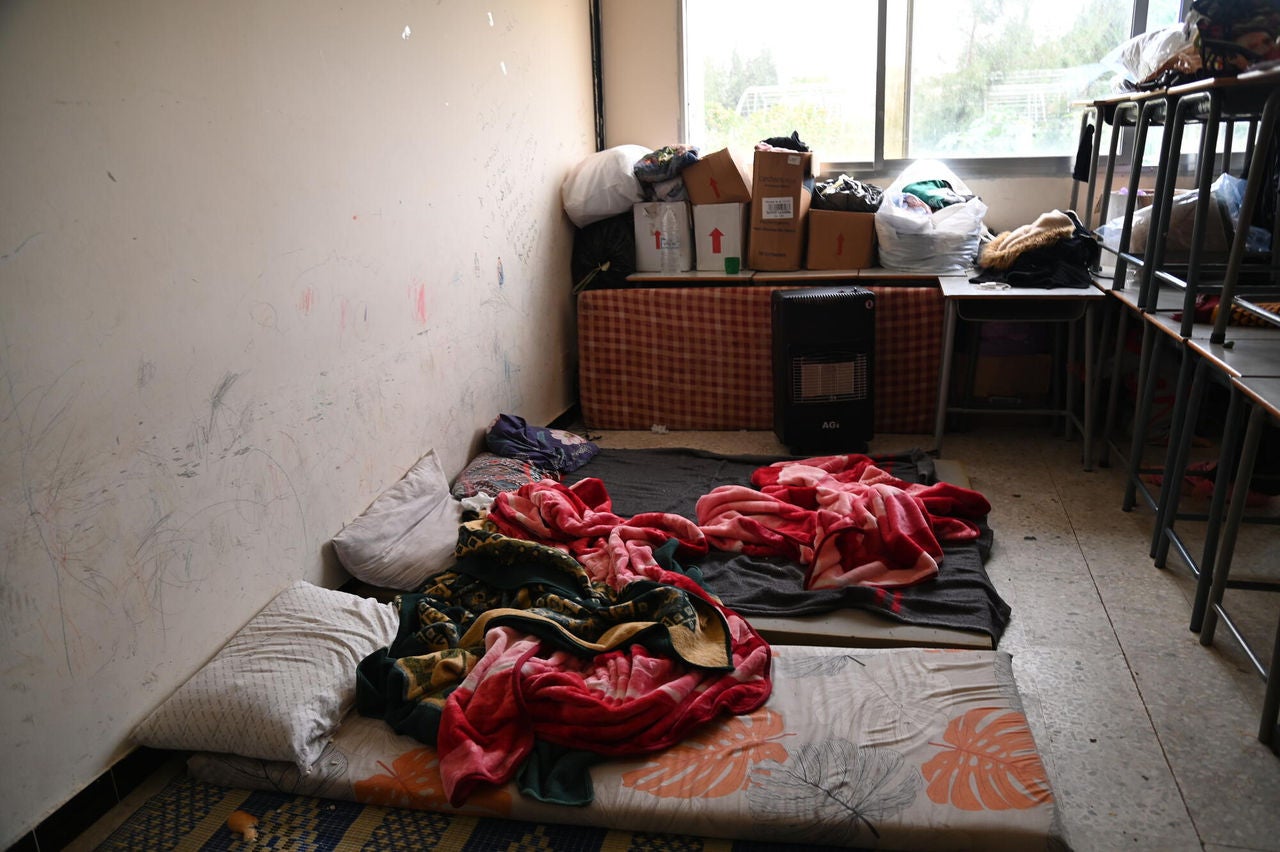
669	225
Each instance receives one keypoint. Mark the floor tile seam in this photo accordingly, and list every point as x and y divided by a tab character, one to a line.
1106	610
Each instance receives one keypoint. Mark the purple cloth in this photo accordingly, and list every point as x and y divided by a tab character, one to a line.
551	449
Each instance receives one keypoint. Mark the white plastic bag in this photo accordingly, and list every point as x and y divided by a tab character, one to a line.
603	184
914	238
1226	197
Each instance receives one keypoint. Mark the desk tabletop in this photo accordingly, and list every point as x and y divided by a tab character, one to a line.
959	287
1262	392
1167	298
696	276
1165	321
802	275
873	274
1253	357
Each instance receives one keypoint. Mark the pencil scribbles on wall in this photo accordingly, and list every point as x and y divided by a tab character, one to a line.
14	253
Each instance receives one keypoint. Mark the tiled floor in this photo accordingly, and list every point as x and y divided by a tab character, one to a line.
1149	737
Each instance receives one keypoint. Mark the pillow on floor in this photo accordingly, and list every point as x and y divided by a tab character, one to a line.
279	687
407	534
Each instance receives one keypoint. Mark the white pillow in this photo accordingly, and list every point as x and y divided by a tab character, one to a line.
279	687
602	184
407	534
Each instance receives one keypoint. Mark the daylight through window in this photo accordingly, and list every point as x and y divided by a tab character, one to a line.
961	78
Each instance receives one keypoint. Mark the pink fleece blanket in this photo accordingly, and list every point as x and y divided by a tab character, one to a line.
847	520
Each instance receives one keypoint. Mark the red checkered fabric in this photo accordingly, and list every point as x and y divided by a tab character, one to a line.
700	358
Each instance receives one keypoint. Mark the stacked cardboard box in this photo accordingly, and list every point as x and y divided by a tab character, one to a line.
782	186
720	185
648	217
840	239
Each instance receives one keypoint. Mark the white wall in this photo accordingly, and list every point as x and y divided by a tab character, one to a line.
642	105
255	259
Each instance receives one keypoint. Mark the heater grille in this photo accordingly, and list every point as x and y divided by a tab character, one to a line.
829	377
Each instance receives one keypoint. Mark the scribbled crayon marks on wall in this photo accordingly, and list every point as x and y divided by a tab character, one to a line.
418	297
146	372
108	525
264	314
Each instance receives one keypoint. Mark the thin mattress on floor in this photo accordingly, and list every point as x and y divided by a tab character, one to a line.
888	748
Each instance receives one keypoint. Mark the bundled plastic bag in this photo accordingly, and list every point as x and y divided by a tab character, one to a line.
846	194
603	184
1227	195
914	237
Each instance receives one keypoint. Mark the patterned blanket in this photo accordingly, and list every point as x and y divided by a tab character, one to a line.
520	661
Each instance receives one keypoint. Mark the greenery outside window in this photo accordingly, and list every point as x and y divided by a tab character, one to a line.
870	82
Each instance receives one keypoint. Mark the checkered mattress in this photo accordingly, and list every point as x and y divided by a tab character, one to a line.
701	358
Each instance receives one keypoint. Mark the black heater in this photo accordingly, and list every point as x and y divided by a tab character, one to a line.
824	341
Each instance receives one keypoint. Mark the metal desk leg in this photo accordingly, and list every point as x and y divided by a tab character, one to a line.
1171	480
1113	395
1069	382
1086	430
1235	515
1176	460
944	374
1148	367
1232	429
1271	701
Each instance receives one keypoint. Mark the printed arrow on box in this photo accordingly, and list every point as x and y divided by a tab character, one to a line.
715	240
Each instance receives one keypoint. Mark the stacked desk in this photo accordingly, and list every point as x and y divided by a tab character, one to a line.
1249	370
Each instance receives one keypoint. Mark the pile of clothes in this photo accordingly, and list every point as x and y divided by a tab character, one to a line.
1056	250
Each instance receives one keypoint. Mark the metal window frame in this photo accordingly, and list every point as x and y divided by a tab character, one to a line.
978	167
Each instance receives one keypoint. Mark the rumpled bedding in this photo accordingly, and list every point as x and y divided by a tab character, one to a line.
520	660
848	520
960	597
568	633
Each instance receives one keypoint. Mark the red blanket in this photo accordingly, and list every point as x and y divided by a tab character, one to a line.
623	701
849	521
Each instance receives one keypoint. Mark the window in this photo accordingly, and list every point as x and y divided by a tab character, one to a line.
955	79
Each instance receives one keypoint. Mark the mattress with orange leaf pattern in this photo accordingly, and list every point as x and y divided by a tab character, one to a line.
904	748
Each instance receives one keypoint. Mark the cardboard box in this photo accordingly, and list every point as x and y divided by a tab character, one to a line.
648	224
839	239
781	188
1117	200
720	178
720	231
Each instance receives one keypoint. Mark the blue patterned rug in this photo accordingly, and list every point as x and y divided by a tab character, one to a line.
191	816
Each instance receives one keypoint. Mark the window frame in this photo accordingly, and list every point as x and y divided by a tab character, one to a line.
978	167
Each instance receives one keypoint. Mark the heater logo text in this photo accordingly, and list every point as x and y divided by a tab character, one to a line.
830	424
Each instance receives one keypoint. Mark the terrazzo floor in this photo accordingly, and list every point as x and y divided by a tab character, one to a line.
1149	737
